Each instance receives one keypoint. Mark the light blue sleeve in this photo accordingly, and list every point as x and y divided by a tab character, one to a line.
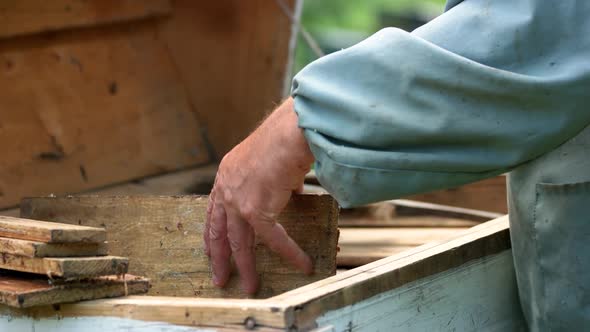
485	87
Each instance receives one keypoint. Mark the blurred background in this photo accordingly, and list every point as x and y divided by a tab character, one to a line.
337	24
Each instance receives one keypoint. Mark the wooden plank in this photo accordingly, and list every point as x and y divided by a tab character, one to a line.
66	267
23	291
211	314
97	324
309	302
49	232
485	195
162	236
41	249
453	300
87	108
237	68
363	245
33	16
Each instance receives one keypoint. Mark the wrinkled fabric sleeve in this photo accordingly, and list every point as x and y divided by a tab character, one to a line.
483	88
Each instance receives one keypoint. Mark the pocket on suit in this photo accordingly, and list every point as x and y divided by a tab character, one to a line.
562	239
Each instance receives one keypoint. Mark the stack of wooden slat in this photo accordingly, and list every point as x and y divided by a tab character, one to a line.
47	263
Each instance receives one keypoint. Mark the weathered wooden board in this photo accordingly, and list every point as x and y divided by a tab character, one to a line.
147	313
356	285
90	107
22	291
66	267
237	68
49	232
479	296
485	195
162	236
33	16
363	245
40	249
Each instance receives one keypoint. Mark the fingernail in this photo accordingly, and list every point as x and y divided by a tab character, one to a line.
215	279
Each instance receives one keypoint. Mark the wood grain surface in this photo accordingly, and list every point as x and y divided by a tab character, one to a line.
41	249
66	267
89	107
162	236
49	232
23	290
232	57
38	16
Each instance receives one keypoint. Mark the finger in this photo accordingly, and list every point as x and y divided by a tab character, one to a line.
208	223
241	241
277	239
300	189
219	246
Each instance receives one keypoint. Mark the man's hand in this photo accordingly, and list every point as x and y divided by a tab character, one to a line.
253	184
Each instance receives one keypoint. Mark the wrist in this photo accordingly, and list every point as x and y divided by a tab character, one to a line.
292	142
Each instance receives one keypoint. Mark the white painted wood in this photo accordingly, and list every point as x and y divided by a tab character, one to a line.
478	296
89	324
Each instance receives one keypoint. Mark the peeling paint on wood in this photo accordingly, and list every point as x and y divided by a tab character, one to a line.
479	296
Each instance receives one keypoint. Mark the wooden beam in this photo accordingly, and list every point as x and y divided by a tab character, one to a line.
49	232
307	303
36	16
23	291
481	295
214	314
66	267
40	249
162	236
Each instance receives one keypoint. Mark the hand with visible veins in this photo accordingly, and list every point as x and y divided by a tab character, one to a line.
253	185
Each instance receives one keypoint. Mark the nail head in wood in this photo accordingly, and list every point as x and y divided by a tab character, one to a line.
250	323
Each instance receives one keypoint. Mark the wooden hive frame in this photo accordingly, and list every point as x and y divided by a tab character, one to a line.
464	283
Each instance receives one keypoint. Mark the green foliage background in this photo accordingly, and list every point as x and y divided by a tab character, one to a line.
359	18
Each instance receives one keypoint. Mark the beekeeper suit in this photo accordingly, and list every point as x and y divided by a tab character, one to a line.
486	88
